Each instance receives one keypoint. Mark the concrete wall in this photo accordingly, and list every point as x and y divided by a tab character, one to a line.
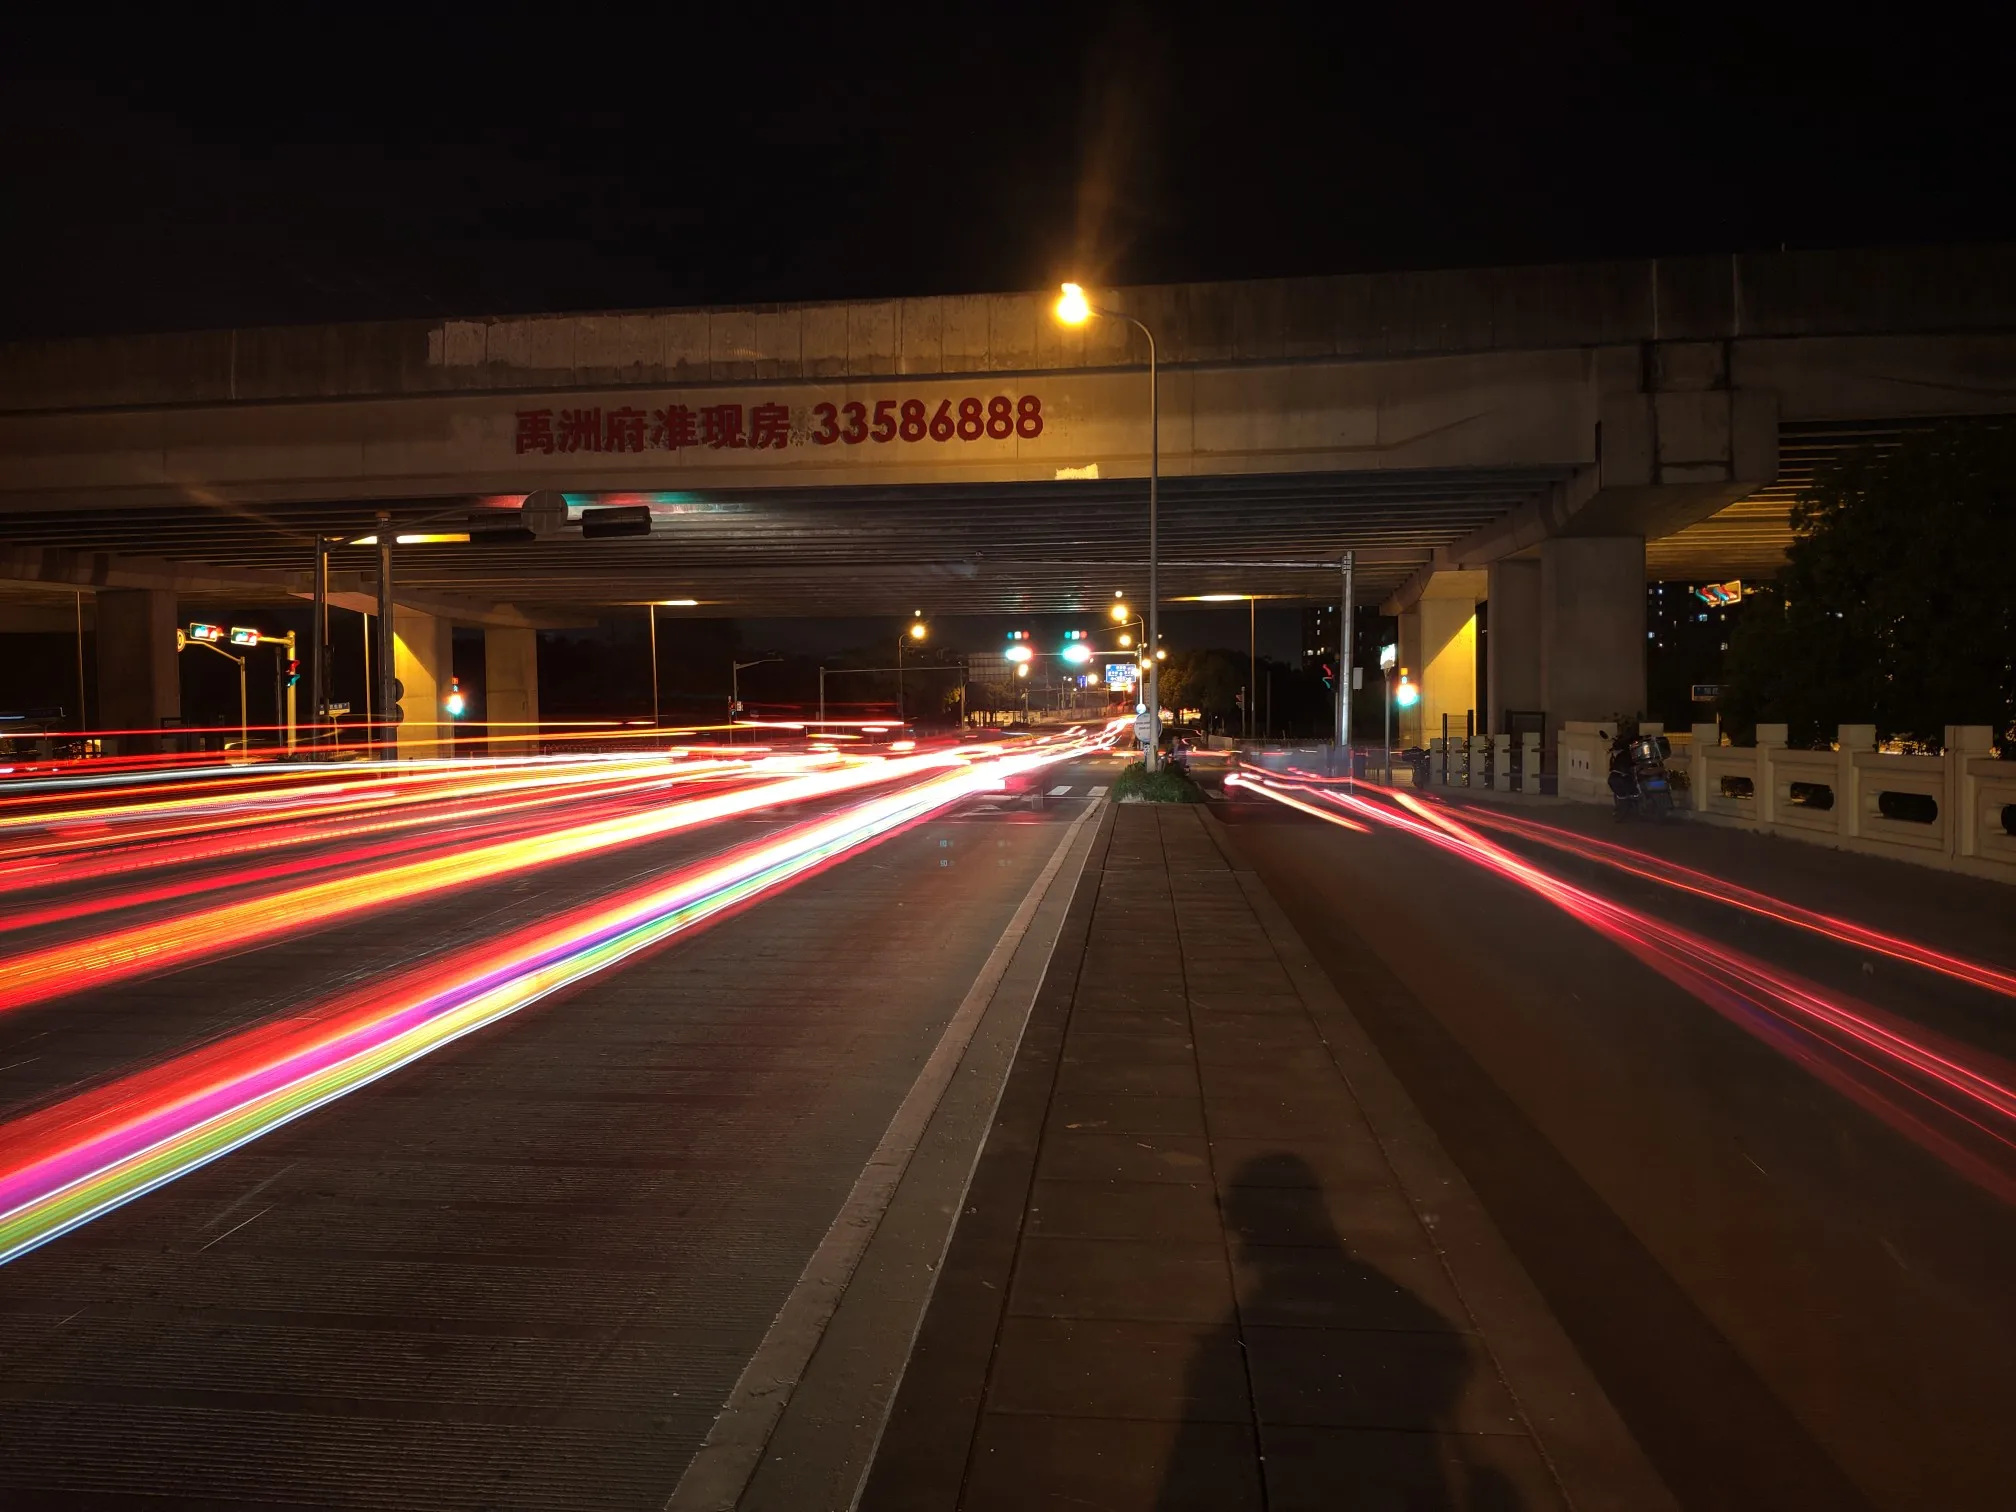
1498	410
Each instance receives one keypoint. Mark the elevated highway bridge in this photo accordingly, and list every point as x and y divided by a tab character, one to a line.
1543	438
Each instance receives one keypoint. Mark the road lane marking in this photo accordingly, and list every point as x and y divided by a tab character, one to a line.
1097	792
725	1464
1059	792
237	1226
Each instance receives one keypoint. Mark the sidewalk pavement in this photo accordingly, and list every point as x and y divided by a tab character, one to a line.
1212	1258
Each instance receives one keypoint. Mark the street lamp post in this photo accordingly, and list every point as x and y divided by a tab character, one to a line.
652	609
914	631
1074	309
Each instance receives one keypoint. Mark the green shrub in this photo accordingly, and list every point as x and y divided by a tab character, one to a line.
1165	786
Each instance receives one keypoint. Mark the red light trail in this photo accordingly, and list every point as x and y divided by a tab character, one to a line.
1869	1055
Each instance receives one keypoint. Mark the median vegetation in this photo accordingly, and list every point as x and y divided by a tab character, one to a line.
1138	785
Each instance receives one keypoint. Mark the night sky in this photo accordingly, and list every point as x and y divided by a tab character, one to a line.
326	162
314	162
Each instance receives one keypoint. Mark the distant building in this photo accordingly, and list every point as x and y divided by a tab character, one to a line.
1686	639
1319	636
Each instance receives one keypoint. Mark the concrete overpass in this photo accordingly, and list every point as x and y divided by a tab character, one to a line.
1542	437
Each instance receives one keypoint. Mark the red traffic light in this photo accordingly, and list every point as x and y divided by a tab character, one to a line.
202	632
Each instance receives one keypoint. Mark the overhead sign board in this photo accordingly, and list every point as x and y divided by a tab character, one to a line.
1125	674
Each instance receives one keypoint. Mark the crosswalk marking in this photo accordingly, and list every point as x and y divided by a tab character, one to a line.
1059	792
1097	792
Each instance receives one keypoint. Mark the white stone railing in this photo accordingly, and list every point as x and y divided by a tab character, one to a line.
1956	811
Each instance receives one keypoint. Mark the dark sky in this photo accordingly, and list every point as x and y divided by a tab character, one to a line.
331	162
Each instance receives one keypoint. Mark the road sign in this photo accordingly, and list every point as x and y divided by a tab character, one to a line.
339	708
1707	692
398	715
398	690
544	513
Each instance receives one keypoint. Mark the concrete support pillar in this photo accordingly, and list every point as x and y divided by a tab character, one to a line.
1513	676
423	659
1592	628
1448	671
511	690
1407	722
139	679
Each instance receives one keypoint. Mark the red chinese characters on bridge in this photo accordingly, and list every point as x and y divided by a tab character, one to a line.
768	427
672	428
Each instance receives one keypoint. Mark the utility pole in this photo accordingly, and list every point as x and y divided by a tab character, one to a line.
652	608
83	720
1344	665
318	650
388	695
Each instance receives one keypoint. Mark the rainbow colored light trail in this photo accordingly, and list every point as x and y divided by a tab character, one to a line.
91	1153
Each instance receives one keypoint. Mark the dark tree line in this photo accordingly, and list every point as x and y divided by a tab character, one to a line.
1897	604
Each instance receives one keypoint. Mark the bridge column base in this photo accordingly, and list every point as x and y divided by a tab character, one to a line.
1438	647
1512	674
139	678
511	691
424	658
1592	628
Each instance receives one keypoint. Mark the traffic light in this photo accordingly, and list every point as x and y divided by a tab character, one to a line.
242	635
293	672
1329	677
455	703
202	632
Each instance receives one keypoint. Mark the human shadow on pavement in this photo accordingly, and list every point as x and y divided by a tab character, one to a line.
1355	1379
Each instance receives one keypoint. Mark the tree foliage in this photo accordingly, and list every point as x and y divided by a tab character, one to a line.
1206	680
1897	604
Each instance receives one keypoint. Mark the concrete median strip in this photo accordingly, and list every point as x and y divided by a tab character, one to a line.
801	1426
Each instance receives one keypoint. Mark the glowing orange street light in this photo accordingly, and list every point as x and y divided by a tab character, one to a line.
1074	309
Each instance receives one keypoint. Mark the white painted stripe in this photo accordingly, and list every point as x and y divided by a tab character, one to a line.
1059	792
1097	792
721	1470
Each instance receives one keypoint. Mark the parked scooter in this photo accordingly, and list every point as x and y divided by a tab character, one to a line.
1638	783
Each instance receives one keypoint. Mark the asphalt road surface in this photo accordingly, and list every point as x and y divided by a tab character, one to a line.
1793	1303
527	1270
